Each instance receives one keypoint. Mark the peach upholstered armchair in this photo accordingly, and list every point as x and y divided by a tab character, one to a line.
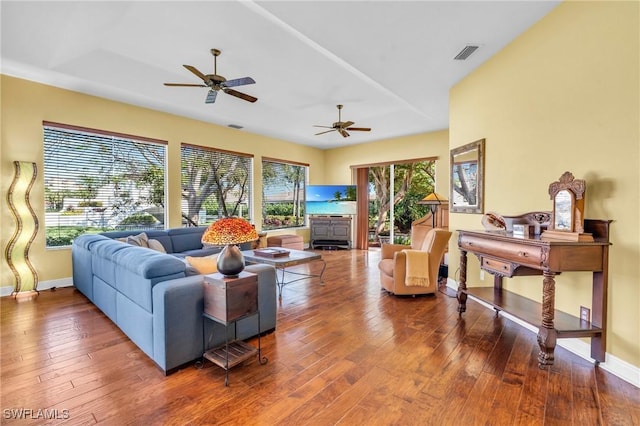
412	270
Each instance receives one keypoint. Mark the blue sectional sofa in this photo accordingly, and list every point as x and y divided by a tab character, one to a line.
153	299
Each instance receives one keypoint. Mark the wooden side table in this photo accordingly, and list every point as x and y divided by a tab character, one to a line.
226	301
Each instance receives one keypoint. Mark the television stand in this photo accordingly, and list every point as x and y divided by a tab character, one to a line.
330	231
329	244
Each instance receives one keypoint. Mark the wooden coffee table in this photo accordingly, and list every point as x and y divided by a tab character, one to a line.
294	258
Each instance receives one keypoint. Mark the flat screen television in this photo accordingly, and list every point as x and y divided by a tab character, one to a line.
330	200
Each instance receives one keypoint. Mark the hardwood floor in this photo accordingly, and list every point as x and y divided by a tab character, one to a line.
343	353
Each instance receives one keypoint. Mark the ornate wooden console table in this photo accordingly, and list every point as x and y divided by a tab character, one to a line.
503	255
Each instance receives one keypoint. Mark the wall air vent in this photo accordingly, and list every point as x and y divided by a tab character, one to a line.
235	126
466	52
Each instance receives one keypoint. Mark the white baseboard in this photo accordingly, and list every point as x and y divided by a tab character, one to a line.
42	285
612	364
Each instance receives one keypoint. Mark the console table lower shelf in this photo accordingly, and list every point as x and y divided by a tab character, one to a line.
530	311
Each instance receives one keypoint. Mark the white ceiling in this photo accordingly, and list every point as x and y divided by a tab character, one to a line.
389	62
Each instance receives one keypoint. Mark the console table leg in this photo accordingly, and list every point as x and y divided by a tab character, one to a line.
547	333
461	295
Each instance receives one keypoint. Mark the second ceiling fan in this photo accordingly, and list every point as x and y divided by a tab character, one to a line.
217	82
342	126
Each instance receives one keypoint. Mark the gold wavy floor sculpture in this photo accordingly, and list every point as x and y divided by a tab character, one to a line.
17	252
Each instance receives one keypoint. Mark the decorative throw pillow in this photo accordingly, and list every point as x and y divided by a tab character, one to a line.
189	270
204	264
156	245
140	240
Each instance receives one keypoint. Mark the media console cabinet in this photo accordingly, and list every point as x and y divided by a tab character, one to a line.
503	255
330	231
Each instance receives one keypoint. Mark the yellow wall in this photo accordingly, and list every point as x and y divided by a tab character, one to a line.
564	96
26	104
435	144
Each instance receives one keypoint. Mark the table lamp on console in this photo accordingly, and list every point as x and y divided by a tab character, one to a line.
229	232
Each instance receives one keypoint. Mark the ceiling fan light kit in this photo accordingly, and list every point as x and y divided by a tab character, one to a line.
342	126
216	82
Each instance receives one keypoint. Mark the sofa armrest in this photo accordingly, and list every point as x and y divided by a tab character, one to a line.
177	321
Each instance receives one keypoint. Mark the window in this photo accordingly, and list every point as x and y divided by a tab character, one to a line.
283	188
215	184
96	181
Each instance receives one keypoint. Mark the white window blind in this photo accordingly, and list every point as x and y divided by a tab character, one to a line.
283	192
215	183
96	181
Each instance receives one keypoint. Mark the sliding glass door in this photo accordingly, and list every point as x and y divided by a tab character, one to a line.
394	192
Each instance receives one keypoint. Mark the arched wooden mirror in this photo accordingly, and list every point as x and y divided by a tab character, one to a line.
567	222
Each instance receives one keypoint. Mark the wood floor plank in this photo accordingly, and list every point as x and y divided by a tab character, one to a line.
586	404
343	353
533	401
614	406
508	396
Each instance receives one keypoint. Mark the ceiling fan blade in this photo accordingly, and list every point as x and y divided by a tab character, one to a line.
347	124
359	129
238	82
326	127
184	85
343	133
211	97
240	95
326	131
198	73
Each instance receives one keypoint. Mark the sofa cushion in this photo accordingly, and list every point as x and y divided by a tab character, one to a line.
136	323
139	269
86	240
147	263
102	263
185	239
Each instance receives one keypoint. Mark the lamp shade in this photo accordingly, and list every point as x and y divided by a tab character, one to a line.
433	199
229	230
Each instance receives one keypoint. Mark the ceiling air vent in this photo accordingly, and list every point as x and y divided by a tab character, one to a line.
466	52
235	126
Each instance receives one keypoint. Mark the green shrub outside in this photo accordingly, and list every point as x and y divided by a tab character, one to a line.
64	235
280	215
139	219
90	204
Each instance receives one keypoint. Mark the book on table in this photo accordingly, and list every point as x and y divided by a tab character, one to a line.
271	252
